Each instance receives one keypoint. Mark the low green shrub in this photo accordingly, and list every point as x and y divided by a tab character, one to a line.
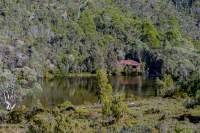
65	104
166	86
118	107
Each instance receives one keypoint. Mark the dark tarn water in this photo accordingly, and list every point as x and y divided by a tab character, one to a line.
82	90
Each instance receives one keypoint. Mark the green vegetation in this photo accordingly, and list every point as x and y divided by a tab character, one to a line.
166	86
154	115
56	38
48	39
192	84
173	33
150	35
112	105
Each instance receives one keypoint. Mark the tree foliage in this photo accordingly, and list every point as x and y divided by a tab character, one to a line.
113	105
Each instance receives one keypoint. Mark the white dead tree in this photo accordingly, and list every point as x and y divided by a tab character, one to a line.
8	94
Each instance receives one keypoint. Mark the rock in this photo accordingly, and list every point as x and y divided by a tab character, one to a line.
193	119
131	105
70	108
192	103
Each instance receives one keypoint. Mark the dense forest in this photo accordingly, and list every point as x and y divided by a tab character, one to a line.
82	36
46	39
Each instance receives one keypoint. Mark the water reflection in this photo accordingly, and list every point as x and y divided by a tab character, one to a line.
83	90
137	85
77	90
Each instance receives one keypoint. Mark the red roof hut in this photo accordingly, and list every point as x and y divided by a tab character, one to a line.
129	62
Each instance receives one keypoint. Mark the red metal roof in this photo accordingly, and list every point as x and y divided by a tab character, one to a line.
129	62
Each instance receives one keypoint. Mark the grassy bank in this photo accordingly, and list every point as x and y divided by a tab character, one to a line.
148	115
80	75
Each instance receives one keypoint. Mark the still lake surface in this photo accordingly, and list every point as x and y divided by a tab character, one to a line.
82	90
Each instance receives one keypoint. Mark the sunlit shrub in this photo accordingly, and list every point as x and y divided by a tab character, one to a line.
150	34
65	104
166	86
87	23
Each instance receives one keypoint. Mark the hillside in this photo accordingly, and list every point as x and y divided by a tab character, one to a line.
61	37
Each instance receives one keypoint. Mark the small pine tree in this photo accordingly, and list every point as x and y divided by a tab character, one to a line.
105	91
112	105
